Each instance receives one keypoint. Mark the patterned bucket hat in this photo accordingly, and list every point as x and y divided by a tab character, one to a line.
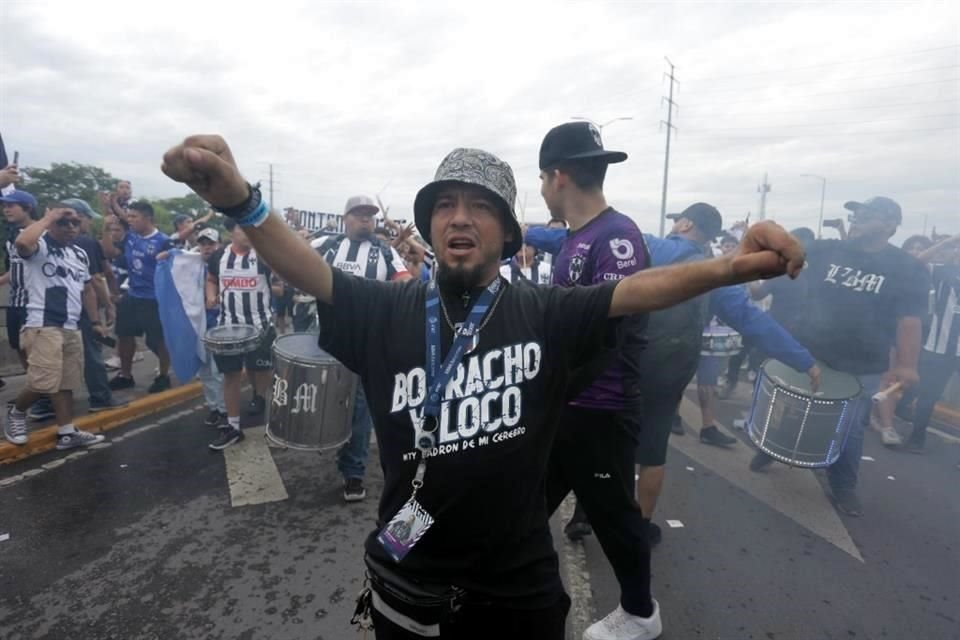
477	168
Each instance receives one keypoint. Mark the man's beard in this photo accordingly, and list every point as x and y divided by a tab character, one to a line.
458	279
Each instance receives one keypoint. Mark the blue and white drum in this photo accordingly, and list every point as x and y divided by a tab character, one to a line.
799	427
720	340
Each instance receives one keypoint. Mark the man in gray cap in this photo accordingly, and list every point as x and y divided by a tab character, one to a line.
465	377
862	296
94	370
361	253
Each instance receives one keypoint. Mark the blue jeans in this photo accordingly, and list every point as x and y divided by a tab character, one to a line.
212	381
352	457
94	371
843	473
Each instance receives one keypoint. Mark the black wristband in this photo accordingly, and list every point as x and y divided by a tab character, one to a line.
247	206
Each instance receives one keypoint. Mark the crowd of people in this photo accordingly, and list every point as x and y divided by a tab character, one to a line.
534	391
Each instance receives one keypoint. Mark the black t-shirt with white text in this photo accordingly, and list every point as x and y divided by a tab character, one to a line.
853	300
484	483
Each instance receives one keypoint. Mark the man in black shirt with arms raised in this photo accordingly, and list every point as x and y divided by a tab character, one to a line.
464	420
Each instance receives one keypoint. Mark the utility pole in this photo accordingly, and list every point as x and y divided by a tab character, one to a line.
271	186
666	160
764	189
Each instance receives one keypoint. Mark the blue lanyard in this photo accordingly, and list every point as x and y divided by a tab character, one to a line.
439	374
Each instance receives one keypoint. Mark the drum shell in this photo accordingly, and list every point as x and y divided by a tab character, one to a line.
796	428
313	399
721	341
218	344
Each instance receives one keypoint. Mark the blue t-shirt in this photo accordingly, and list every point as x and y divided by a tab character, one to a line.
140	255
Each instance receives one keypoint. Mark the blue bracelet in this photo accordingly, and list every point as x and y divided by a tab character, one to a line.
256	217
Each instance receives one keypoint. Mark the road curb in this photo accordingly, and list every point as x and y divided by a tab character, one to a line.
45	439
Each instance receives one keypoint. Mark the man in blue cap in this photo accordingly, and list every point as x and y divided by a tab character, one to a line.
19	207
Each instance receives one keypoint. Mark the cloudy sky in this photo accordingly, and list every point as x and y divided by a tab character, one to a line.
369	96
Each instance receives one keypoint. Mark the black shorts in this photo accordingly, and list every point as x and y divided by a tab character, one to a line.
661	400
137	317
283	305
260	359
16	318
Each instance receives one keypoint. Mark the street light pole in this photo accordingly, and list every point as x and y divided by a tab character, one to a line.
601	126
823	194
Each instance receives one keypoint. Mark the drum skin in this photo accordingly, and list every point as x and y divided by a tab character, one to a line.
311	408
796	426
231	339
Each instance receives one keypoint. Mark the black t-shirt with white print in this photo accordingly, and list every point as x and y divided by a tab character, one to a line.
853	300
484	485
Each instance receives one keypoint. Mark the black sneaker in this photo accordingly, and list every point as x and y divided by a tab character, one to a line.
41	410
654	534
228	436
713	436
160	383
760	461
353	490
914	445
847	501
107	406
676	426
257	406
122	382
215	418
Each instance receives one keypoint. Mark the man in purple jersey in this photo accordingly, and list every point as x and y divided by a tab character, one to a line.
592	453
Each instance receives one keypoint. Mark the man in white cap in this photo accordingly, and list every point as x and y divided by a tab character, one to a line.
466	377
361	253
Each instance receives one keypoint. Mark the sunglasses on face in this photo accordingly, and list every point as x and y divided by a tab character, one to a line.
68	222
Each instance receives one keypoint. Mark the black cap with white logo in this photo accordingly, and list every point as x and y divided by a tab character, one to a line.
574	141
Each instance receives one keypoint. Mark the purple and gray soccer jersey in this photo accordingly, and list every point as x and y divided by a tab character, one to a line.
608	248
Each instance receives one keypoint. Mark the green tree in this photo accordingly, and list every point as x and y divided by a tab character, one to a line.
68	180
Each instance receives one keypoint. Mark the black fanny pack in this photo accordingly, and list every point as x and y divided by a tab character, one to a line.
428	603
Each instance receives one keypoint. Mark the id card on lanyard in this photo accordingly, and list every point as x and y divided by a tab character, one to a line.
412	520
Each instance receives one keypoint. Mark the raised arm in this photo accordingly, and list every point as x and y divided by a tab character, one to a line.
28	241
766	251
206	165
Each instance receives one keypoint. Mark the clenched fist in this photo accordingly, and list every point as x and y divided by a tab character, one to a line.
766	251
204	163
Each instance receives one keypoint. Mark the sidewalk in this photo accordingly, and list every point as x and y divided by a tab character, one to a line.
42	433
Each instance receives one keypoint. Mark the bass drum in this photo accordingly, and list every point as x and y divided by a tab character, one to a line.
313	395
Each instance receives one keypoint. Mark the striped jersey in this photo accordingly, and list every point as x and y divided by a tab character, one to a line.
370	259
54	277
18	292
944	334
536	272
244	284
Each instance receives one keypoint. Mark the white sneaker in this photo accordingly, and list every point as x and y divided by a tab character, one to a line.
77	439
15	427
891	438
620	625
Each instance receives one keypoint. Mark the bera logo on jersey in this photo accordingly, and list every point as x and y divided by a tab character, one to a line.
624	253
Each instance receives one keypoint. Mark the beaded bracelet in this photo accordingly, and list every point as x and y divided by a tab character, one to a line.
256	217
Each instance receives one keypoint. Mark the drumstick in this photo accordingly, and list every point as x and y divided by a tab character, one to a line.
881	396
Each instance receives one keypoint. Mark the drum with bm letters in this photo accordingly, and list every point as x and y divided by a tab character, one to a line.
312	404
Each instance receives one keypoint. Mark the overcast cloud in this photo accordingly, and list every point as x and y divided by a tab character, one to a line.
348	97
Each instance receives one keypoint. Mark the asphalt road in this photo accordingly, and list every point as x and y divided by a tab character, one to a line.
155	537
767	557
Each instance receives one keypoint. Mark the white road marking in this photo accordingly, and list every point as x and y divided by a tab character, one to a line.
689	468
573	564
890	478
794	493
867	458
675	524
4	537
252	475
945	436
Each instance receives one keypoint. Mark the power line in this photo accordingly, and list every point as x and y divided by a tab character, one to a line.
855	108
822	80
824	93
845	122
831	134
829	64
